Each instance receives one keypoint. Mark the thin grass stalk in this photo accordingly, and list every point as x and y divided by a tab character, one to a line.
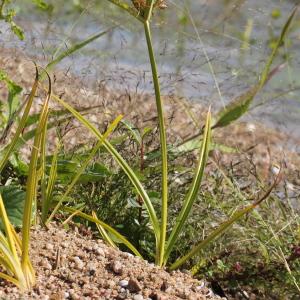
103	233
22	123
193	191
222	228
42	170
31	187
163	145
46	202
105	226
110	129
122	163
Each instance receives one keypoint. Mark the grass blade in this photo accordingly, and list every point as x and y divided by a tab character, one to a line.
31	187
110	129
106	227
103	233
265	73
193	191
46	201
76	47
8	250
122	163
22	123
163	142
224	227
241	104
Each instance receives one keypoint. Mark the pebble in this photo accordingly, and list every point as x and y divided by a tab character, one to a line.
46	265
123	283
99	251
78	263
117	267
49	246
134	286
138	297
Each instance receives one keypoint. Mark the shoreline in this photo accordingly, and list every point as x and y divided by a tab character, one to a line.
266	146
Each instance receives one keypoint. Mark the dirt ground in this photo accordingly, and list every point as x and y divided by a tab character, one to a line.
69	264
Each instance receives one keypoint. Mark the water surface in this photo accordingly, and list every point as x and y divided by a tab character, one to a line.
208	51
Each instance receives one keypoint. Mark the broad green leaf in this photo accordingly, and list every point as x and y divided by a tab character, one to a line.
14	91
17	30
43	5
13	198
194	144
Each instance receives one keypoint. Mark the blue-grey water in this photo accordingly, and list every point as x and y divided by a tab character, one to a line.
207	50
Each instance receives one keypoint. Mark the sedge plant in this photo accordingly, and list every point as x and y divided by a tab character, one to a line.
14	252
165	244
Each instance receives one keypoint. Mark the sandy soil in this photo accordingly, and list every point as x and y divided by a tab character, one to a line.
71	265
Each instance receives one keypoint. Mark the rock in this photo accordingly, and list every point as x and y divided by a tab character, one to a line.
158	296
123	283
138	297
164	286
99	251
79	264
134	286
117	267
46	264
49	246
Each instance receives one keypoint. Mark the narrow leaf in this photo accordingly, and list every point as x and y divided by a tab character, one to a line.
193	191
224	226
110	129
122	163
241	104
105	226
103	233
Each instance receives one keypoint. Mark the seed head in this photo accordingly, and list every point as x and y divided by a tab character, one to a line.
141	5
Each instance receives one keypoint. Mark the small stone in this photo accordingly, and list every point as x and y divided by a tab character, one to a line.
99	251
158	296
123	283
49	246
134	286
164	286
127	254
110	284
78	263
138	297
46	265
117	267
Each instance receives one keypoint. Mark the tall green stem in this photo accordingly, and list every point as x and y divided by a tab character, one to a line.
163	144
